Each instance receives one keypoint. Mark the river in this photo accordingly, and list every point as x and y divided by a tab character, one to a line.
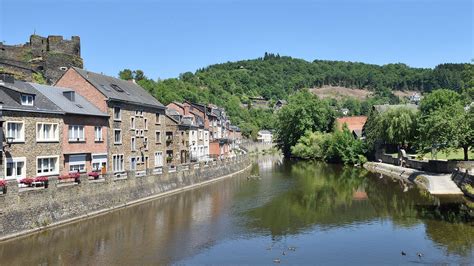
288	212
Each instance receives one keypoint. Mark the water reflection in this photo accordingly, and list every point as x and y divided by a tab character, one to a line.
232	221
333	196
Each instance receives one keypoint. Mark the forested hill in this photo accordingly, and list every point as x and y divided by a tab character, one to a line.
276	77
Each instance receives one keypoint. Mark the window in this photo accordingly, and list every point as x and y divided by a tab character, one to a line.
76	133
158	118
15	168
27	99
139	113
117	136
117	114
146	123
142	133
117	163
158	136
77	163
47	166
99	161
158	159
133	144
16	131
133	163
47	132
145	143
98	133
200	133
132	122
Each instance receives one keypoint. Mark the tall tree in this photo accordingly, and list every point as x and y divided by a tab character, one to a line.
304	112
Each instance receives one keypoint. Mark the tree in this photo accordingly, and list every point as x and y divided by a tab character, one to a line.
304	112
311	146
399	126
445	123
343	147
126	74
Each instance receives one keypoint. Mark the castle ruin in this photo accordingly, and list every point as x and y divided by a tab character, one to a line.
42	59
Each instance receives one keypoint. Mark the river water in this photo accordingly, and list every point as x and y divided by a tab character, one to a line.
293	213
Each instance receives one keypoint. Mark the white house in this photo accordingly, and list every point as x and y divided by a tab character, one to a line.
265	136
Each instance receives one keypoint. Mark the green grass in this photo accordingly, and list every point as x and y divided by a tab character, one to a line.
453	155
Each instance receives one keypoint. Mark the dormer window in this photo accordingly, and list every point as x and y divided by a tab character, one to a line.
27	99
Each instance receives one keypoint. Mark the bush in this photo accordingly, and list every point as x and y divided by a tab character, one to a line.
337	147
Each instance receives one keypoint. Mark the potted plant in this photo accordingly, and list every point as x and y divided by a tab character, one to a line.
3	186
28	181
169	159
43	179
95	175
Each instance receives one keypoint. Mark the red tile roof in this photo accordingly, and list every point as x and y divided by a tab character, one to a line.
353	122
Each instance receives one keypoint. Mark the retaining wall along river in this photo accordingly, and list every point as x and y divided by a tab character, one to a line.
25	211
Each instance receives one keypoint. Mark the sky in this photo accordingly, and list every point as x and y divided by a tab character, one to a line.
167	37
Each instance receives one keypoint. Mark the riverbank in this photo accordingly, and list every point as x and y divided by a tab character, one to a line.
435	184
27	212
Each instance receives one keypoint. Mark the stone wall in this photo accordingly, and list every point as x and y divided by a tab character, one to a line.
49	56
34	209
432	166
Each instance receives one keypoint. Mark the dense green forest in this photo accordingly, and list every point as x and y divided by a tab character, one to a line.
277	77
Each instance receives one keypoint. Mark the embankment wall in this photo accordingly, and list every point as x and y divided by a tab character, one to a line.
25	211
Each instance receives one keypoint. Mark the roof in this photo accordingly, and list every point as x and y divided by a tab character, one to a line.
79	106
170	111
10	94
384	107
354	123
264	132
119	90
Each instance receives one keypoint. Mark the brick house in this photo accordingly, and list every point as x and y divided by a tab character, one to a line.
31	132
84	147
136	118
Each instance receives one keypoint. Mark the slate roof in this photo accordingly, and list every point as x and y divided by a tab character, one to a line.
80	106
10	95
120	90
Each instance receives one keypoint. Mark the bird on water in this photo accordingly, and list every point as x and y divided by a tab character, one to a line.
403	253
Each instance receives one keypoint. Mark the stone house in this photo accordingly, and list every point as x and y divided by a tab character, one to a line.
194	117
177	149
31	132
85	127
136	118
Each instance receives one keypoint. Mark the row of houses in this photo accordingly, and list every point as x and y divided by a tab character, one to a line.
89	122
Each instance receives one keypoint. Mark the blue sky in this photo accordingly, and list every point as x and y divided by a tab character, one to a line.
168	37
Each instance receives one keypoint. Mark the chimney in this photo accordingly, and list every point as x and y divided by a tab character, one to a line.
70	95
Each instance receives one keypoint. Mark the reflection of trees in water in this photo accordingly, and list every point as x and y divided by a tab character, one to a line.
326	195
322	194
457	238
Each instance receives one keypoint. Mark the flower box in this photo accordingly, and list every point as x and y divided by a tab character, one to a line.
27	181
3	186
71	176
95	175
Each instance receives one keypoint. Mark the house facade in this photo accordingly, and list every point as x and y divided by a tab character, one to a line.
84	131
135	119
265	136
31	127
